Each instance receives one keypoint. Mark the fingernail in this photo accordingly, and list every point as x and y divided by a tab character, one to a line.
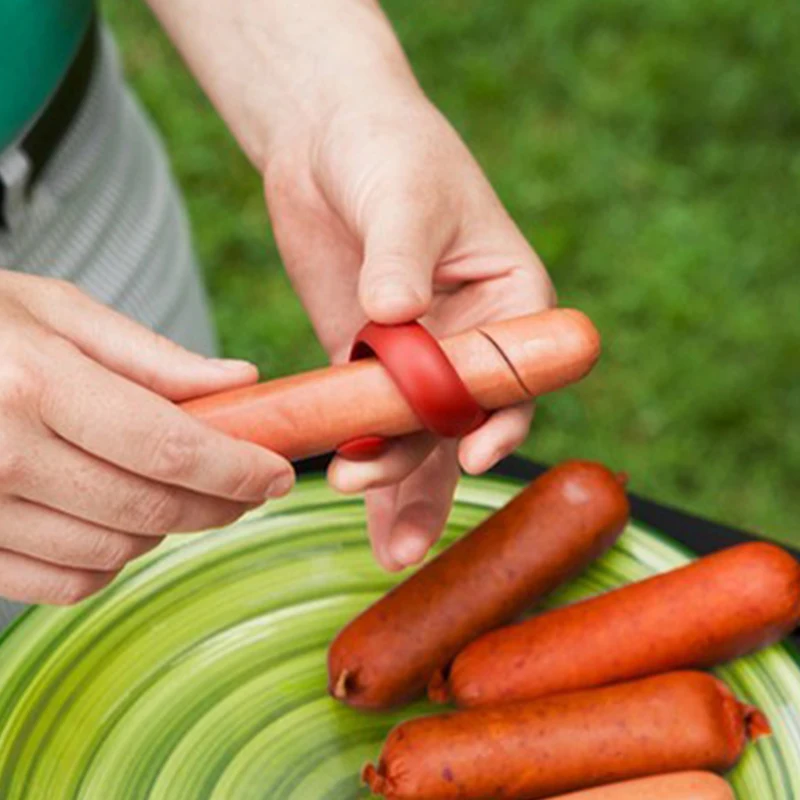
482	460
408	550
354	476
281	486
231	364
365	448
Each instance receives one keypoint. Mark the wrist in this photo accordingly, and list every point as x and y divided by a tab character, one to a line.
277	70
372	83
295	129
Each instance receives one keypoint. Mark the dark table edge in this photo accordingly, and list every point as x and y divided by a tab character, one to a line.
701	536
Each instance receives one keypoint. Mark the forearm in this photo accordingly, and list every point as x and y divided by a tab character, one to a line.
275	68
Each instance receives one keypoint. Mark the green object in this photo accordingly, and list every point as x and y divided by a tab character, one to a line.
200	673
37	43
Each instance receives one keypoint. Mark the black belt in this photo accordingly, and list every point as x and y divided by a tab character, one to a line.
42	140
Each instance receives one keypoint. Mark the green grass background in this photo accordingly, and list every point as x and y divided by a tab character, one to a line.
651	153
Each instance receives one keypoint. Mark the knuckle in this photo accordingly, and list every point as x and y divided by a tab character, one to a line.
64	290
111	552
19	384
550	293
74	588
226	514
161	513
535	283
13	465
249	480
58	349
175	456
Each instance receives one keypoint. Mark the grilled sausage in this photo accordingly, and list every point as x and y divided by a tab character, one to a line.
679	786
547	534
669	723
716	609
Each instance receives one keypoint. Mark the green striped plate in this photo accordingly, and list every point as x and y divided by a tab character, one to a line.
200	673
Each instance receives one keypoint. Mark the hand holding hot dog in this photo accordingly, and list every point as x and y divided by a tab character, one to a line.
383	214
96	463
379	210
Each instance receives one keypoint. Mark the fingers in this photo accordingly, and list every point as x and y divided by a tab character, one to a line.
404	237
128	348
420	510
140	432
410	487
380	506
478	452
398	461
77	484
498	437
322	259
28	580
406	519
47	535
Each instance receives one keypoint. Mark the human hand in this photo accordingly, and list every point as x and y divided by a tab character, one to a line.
379	210
96	463
381	213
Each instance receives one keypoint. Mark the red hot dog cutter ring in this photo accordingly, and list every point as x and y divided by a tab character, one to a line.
424	376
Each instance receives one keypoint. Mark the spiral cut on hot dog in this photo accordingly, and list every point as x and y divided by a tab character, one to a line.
500	364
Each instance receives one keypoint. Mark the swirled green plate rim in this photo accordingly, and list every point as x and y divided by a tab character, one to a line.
476	498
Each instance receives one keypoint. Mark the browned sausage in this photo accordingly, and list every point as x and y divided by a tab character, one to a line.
716	609
679	786
547	534
502	364
669	723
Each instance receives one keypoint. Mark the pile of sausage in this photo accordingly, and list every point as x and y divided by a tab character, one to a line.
601	700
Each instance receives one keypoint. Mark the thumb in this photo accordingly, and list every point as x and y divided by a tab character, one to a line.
402	245
130	349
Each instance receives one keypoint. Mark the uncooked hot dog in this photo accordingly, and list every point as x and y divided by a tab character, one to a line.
670	723
547	534
680	786
502	364
714	610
